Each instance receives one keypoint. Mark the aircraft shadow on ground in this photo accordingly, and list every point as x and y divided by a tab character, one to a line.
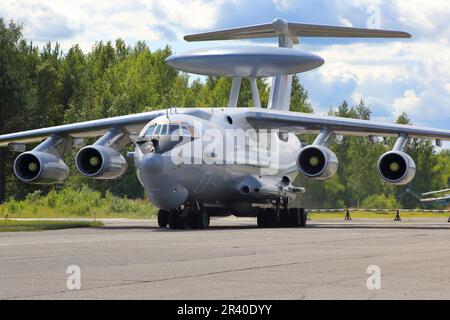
154	228
438	226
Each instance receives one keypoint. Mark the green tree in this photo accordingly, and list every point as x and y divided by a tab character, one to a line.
299	97
15	89
44	87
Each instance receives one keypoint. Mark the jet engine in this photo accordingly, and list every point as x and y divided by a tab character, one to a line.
100	162
317	162
40	168
396	167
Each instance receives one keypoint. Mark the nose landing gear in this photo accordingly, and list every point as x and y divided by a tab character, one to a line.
182	218
163	218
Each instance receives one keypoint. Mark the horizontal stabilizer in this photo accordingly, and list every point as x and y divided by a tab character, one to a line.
294	30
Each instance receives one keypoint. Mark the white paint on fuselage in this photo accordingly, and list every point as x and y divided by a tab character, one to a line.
219	182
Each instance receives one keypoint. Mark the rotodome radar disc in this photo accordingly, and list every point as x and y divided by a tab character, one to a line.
245	61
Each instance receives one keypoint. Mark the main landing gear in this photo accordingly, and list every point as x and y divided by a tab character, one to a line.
282	217
183	218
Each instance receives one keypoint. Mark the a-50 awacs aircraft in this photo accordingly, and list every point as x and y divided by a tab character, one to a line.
200	162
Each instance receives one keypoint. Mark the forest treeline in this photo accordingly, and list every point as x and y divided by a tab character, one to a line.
41	87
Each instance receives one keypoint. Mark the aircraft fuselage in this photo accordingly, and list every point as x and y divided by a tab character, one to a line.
225	163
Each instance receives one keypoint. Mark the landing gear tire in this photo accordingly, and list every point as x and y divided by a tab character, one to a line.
268	218
163	218
303	215
297	217
200	219
294	218
172	219
272	217
261	218
176	220
284	218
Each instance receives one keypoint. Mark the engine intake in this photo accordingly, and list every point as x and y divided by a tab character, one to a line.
317	162
396	167
40	168
100	162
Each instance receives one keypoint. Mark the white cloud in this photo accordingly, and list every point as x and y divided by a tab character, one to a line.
284	5
391	76
86	22
408	103
363	63
447	88
423	13
191	14
410	76
345	22
363	3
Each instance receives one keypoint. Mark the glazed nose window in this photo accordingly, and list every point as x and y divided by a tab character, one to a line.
180	130
150	130
164	130
174	129
158	130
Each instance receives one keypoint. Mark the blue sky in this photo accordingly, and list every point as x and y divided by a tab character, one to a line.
392	76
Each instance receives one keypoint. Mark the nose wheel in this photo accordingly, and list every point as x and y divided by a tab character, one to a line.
163	218
183	218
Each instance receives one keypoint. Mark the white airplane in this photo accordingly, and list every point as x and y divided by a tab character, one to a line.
200	162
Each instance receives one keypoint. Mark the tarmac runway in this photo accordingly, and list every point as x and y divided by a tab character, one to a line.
133	259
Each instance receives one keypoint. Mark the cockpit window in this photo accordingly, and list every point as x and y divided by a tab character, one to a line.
150	130
177	129
184	131
173	128
157	130
163	130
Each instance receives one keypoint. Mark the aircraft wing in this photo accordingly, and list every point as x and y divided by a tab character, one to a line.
132	124
440	199
435	192
310	123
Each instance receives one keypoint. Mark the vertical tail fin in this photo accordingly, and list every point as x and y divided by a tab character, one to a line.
281	86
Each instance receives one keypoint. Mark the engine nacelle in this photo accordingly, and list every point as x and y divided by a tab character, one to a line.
40	168
317	162
100	162
396	167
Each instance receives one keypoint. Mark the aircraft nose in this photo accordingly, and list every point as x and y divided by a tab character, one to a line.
152	163
162	186
170	196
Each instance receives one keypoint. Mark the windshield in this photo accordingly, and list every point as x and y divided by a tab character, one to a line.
176	129
163	136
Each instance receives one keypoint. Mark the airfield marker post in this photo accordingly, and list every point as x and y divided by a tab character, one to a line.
397	217
347	216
